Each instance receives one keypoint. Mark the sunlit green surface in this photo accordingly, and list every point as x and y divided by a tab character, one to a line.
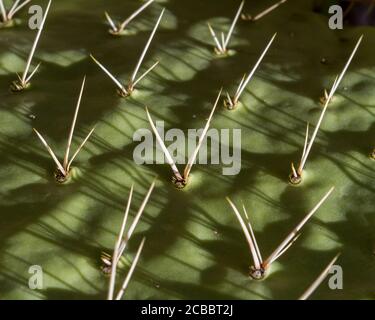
195	247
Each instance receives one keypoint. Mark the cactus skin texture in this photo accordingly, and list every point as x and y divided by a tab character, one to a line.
195	248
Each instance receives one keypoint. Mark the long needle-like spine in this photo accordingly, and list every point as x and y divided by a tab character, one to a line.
3	11
223	42
109	74
294	171
65	166
201	139
31	55
310	290
117	246
32	73
252	245
146	48
164	148
252	235
240	85
131	271
79	148
306	142
135	222
244	83
295	231
122	241
145	73
66	158
331	94
134	14
268	10
60	167
227	39
110	21
217	42
16	8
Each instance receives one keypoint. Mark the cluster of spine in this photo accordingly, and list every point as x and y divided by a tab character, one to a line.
7	16
230	101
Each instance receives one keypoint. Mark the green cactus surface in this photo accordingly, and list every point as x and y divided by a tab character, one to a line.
195	248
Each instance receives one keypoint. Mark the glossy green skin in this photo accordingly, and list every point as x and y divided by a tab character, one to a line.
195	247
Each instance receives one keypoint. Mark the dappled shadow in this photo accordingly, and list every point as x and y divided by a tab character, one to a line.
195	248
